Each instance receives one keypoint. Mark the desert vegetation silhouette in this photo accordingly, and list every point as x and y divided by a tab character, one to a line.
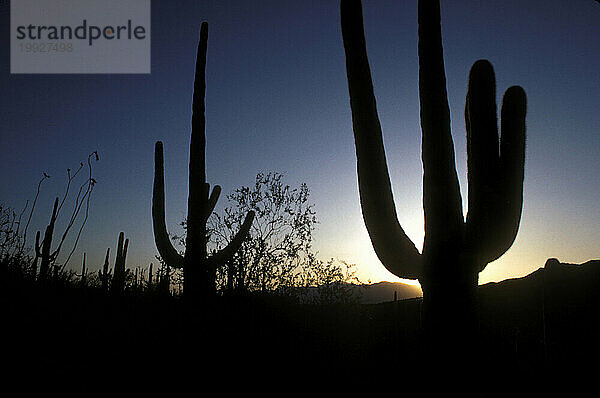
199	268
455	250
44	254
277	258
134	323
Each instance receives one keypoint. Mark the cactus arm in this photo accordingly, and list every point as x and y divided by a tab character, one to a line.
511	173
228	251
512	158
212	200
495	173
161	237
483	159
391	244
442	201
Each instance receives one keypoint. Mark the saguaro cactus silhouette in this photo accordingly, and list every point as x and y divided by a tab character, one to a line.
83	279
118	281
455	250
199	268
105	274
43	250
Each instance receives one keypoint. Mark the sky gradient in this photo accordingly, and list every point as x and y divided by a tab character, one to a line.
277	100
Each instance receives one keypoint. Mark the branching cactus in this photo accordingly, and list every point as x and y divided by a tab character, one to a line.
118	280
455	250
199	268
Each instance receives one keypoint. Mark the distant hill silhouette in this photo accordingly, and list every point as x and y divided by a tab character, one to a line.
384	291
545	322
561	280
564	279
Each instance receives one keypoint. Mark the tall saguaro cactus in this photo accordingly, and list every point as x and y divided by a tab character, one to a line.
199	268
455	250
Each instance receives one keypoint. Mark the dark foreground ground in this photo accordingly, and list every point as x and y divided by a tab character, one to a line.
540	329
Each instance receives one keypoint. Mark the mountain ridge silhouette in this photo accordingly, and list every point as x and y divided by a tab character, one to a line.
381	292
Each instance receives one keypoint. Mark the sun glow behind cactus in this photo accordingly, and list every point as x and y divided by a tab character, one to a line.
356	247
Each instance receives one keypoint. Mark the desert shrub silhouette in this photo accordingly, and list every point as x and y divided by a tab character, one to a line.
199	268
455	250
14	255
276	249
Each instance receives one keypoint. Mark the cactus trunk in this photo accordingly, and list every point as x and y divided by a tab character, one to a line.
449	317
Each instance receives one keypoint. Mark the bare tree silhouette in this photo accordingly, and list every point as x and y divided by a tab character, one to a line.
280	237
43	249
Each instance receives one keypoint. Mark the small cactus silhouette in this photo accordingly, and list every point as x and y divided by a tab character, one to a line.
83	272
455	250
105	273
119	272
199	268
43	249
150	276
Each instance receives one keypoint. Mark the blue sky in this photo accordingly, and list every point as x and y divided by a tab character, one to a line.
277	100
